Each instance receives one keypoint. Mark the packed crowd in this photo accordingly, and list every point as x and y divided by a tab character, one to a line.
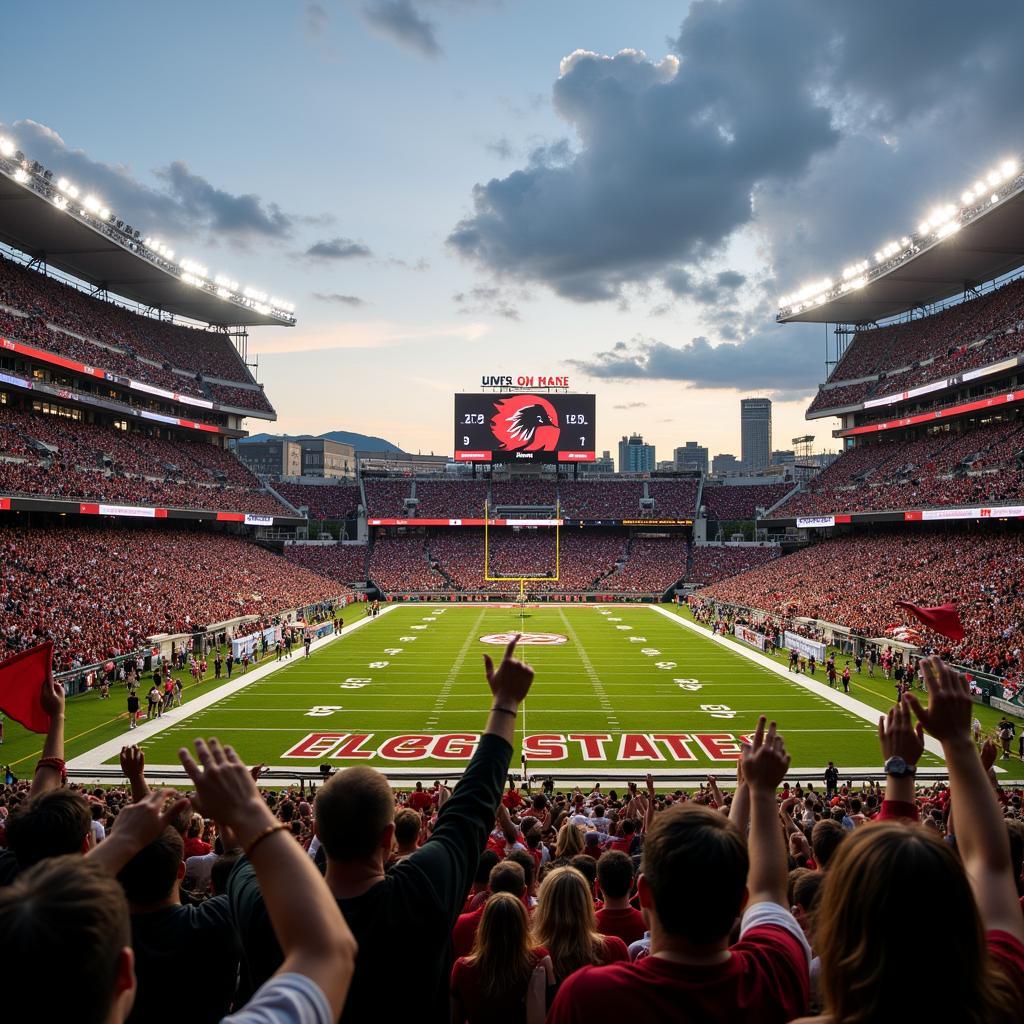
445	499
906	355
711	562
504	905
600	499
652	565
854	581
402	563
100	592
583	499
61	319
537	493
326	501
343	562
976	465
238	397
386	498
90	461
672	498
587	561
742	502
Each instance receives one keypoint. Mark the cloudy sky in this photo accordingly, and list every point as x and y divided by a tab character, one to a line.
448	188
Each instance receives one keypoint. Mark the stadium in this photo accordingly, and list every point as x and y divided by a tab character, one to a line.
361	626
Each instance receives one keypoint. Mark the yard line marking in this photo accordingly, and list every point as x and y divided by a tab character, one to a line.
146	730
588	666
460	658
841	700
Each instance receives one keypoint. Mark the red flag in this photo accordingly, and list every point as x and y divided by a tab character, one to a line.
21	680
944	619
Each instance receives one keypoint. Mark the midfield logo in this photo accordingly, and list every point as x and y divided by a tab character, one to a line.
543	639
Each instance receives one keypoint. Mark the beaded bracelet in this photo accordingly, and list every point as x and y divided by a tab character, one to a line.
57	763
268	831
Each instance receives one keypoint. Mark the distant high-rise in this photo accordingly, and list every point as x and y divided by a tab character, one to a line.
635	456
692	456
725	465
755	433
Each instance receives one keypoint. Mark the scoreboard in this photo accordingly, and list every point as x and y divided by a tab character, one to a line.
524	426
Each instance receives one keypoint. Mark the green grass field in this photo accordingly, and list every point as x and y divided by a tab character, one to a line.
627	690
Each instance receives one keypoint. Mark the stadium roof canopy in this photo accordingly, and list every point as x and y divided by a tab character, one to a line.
979	241
37	219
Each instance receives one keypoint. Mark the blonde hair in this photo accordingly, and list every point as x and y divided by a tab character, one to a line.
893	872
564	922
569	842
502	951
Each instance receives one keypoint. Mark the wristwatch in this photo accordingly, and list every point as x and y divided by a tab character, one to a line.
898	768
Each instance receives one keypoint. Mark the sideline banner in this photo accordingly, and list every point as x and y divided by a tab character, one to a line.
1007	707
810	648
751	636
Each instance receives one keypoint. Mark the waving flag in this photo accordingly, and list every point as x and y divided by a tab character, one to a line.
21	680
943	619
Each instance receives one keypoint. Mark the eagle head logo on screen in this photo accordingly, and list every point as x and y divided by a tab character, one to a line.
526	423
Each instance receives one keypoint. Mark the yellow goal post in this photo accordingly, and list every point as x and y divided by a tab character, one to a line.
522	580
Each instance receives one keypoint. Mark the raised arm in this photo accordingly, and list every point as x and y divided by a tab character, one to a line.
49	772
313	936
981	835
716	793
765	763
649	812
133	764
449	858
135	827
505	823
739	809
902	746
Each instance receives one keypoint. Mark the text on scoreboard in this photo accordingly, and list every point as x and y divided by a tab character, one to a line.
524	427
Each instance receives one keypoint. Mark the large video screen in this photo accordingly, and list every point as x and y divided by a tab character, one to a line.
524	427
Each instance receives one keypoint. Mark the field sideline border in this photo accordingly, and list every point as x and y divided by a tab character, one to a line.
90	765
93	759
851	704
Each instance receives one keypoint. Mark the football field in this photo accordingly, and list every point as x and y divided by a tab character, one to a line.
619	691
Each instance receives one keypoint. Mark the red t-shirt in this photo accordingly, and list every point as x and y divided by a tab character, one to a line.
627	924
419	800
764	981
464	932
623	843
1008	953
195	847
476	1007
614	950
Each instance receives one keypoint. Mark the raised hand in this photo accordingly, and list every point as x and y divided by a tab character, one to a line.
144	821
51	696
948	715
765	761
988	754
133	762
898	735
798	845
225	790
511	681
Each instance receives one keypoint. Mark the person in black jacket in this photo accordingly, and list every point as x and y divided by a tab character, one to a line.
402	919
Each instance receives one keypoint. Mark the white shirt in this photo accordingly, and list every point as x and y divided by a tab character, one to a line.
285	999
197	871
